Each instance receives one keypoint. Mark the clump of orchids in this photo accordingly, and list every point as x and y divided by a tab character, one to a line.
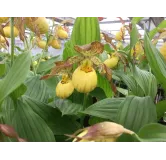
84	77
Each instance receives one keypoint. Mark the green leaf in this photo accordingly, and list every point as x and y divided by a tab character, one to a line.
155	60
107	108
135	20
2	69
135	112
155	30
103	83
83	33
94	120
122	91
16	75
19	49
115	77
51	85
40	108
103	56
127	48
161	109
47	65
30	74
152	133
18	92
67	107
78	98
133	36
126	138
37	89
68	50
53	117
98	93
146	81
8	109
131	83
30	125
108	48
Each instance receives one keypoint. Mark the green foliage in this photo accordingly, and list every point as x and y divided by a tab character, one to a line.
2	69
155	61
103	83
153	32
135	112
140	82
31	107
78	98
16	75
51	85
132	112
67	107
107	108
26	122
37	89
161	109
151	133
47	65
59	124
133	36
18	92
146	81
108	48
135	20
94	120
30	125
85	31
103	56
98	93
131	83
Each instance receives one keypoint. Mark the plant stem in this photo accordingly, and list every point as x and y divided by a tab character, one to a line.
85	101
84	107
35	70
43	51
12	39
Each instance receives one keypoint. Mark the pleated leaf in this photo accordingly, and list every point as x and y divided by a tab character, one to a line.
67	107
131	83
146	81
137	112
30	125
18	92
8	110
78	98
107	108
156	61
59	124
151	133
103	83
47	65
37	89
16	75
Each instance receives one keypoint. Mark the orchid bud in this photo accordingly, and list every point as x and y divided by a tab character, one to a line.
102	132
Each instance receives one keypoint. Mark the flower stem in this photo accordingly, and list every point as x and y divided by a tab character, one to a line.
84	107
41	56
12	39
85	101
